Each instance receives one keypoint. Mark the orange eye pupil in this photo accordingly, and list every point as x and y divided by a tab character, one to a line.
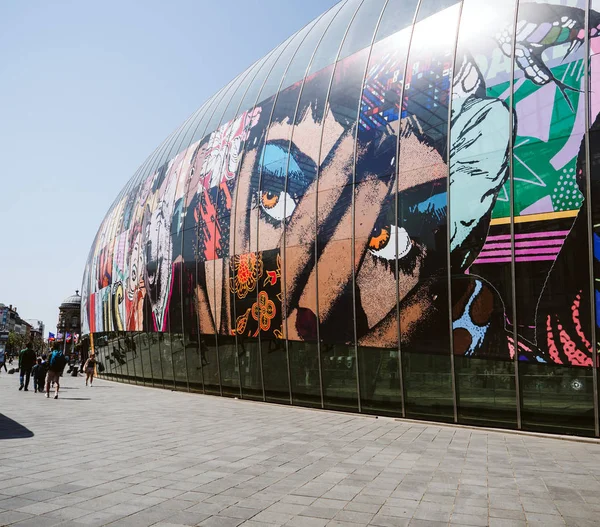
379	238
269	199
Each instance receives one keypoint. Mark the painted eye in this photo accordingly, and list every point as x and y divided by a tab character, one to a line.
279	206
383	245
379	238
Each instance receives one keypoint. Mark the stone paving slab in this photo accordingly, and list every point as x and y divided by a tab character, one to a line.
125	455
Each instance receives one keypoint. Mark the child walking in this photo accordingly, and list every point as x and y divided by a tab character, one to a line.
39	376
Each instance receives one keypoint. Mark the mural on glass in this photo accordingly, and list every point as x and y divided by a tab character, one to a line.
331	211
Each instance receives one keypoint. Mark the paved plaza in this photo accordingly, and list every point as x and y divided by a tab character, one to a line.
125	455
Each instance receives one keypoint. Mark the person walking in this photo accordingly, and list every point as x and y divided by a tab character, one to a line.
26	362
39	375
3	359
90	368
56	365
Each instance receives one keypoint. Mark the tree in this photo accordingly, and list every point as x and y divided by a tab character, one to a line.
38	344
15	342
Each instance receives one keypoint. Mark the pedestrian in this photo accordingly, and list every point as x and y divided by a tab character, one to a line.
90	367
3	359
39	375
26	362
56	365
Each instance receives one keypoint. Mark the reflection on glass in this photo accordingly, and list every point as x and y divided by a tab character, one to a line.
557	399
250	368
209	360
379	377
305	378
428	386
486	392
230	379
179	361
275	370
339	377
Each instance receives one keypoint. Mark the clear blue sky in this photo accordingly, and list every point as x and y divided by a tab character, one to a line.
88	90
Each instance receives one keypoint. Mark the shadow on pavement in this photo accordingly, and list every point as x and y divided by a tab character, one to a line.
74	398
10	429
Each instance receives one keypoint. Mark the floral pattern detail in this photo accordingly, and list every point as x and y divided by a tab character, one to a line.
273	276
224	148
263	310
247	269
241	322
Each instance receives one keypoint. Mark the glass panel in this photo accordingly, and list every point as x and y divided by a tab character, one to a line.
486	392
339	377
421	218
398	14
234	103
379	377
301	60
427	386
275	78
557	399
201	127
330	45
194	361
431	7
250	97
304	365
165	341
594	158
481	288
145	354
250	368
214	121
210	365
275	370
155	362
362	28
376	309
551	231
179	361
230	378
136	348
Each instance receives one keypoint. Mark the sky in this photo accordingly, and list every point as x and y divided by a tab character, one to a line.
88	90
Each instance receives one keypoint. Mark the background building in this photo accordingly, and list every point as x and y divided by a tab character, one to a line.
392	212
69	322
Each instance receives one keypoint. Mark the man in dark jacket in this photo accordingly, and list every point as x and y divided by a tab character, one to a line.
26	363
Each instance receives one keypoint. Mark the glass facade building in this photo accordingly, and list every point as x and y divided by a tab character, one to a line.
395	212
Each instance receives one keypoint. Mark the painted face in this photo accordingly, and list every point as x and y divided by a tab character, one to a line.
158	251
384	248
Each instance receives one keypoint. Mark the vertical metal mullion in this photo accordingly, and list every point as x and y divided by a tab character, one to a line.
318	176
181	128
301	91
212	112
286	343
588	199
396	201
448	258
183	237
262	376
353	204
512	221
234	209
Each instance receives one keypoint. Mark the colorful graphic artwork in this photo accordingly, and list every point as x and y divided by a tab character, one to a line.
427	193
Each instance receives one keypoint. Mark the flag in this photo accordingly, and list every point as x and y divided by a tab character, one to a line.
51	336
68	337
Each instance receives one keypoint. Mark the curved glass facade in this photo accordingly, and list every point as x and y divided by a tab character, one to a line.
395	212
